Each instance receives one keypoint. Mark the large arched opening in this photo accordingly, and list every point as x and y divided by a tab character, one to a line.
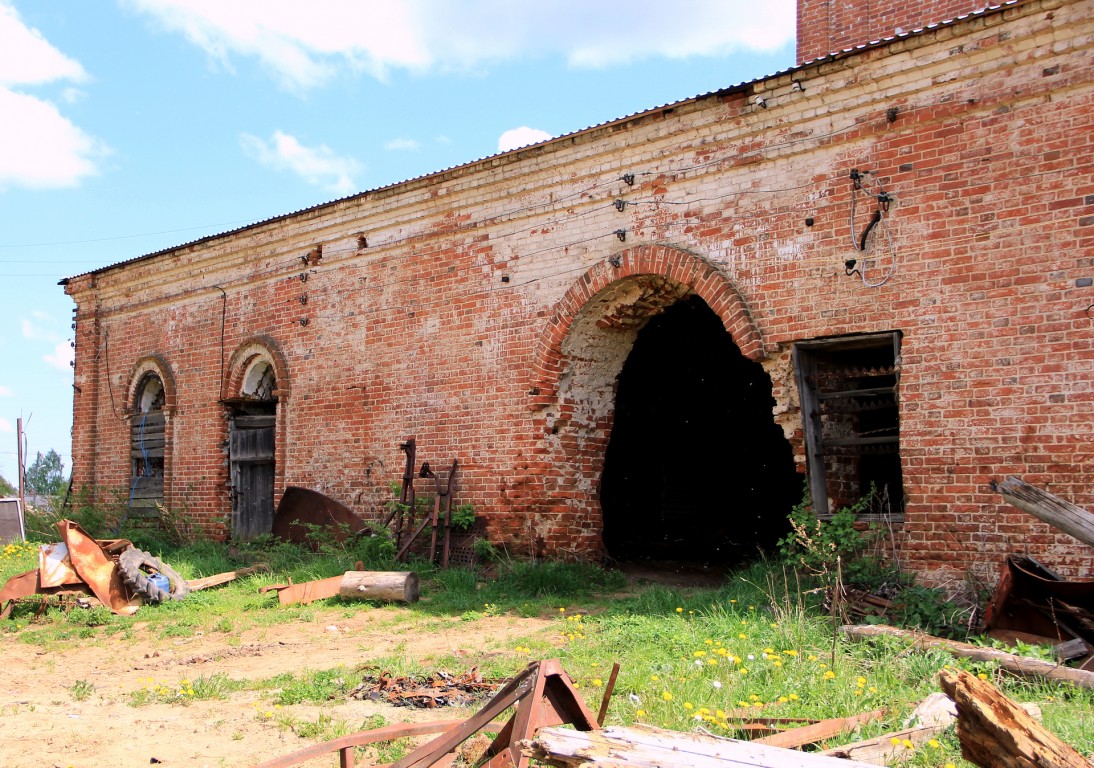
695	469
659	440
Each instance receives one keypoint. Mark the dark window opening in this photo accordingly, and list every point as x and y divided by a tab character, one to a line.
696	469
147	431
851	416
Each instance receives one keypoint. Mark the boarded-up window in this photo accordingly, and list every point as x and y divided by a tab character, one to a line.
146	447
850	414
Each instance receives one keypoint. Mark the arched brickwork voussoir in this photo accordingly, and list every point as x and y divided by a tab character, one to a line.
702	278
262	347
158	365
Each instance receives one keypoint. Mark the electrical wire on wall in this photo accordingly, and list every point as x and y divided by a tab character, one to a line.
867	184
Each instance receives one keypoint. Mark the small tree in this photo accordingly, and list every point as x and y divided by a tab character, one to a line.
46	476
6	488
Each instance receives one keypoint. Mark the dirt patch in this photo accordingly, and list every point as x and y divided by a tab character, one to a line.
44	724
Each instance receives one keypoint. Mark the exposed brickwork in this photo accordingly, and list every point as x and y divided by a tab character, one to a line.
828	26
494	306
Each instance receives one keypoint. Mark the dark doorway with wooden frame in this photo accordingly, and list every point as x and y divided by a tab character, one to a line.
851	417
252	420
696	469
147	431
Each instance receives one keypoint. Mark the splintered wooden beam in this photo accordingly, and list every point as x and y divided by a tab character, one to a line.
934	715
996	733
1053	510
648	747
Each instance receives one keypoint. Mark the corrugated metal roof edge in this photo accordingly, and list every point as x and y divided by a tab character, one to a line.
744	85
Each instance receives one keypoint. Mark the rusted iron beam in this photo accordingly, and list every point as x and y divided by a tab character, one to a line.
607	695
363	738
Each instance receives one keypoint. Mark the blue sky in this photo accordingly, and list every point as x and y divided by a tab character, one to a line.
131	126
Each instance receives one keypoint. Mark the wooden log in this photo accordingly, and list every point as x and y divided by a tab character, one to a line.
1019	665
648	747
996	733
223	578
825	729
1072	520
400	586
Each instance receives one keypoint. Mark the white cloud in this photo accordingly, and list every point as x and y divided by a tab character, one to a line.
26	58
521	137
401	144
5	391
304	44
61	357
39	147
5	425
316	165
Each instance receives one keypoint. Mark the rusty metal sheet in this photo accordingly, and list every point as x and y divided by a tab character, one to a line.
97	569
301	507
305	592
23	585
55	567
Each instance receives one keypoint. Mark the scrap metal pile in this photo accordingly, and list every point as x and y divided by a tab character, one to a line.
108	572
440	689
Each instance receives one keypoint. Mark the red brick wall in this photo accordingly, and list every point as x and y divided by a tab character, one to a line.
494	305
828	26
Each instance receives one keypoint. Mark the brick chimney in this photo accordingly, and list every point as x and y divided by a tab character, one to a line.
827	26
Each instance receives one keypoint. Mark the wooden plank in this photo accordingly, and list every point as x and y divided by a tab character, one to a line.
1074	648
869	392
825	729
1067	517
1019	665
223	578
648	747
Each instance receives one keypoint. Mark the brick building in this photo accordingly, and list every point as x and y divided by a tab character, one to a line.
645	337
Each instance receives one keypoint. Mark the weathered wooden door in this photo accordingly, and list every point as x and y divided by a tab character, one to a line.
251	453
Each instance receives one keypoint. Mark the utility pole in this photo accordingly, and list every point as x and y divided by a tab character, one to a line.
19	439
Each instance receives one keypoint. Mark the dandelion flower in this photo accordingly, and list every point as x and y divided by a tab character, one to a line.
934	744
667	696
829	675
679	610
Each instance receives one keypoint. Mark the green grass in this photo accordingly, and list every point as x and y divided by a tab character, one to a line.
689	657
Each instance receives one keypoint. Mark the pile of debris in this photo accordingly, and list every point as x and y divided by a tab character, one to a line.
107	572
440	689
994	732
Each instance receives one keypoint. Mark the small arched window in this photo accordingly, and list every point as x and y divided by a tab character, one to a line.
146	446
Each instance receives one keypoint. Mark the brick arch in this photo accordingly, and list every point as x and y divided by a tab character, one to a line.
256	347
158	365
672	264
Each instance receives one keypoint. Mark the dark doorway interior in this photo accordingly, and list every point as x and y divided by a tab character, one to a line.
696	470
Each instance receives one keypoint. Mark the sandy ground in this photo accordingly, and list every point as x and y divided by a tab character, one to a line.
41	723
